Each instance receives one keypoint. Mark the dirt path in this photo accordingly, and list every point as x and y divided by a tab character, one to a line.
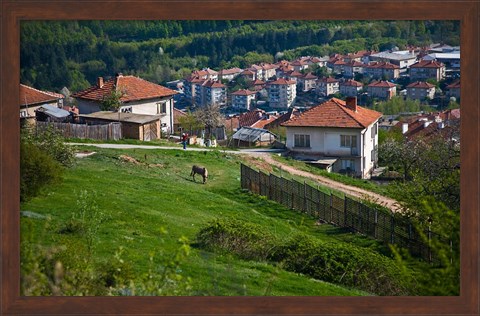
347	189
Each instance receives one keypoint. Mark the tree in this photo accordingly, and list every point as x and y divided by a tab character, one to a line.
210	117
190	122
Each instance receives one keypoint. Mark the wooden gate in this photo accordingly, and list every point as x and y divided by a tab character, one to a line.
150	131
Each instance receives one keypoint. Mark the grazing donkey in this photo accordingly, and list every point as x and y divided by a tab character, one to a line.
201	171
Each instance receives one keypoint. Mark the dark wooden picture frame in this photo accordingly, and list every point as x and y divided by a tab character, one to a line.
12	12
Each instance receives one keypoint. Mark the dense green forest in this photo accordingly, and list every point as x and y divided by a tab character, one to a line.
72	54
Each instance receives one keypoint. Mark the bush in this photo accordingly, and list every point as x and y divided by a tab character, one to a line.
37	169
336	263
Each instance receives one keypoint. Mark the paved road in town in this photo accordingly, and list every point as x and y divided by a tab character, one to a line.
265	155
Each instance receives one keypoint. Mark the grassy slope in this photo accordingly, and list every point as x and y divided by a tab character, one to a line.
139	201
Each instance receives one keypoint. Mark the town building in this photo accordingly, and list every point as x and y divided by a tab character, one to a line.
327	86
281	93
382	90
427	69
453	89
350	88
382	70
243	99
338	132
420	90
32	99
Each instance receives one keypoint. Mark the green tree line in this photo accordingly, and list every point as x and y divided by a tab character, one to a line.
55	54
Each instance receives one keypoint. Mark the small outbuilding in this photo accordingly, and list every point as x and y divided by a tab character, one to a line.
50	113
134	126
250	136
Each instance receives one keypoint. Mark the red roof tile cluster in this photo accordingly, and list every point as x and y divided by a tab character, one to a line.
30	96
309	76
427	64
327	80
243	92
294	74
250	118
382	84
213	84
454	85
264	121
131	88
382	65
230	71
291	113
421	85
355	63
335	113
282	81
351	83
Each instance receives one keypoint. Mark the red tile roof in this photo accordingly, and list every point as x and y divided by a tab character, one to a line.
250	118
382	64
454	85
382	84
243	92
355	63
282	81
295	74
257	82
230	71
30	96
213	84
309	76
264	121
427	64
421	85
327	80
351	83
335	113
132	89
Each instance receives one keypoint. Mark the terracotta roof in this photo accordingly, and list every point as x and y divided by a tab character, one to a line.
299	63
266	66
355	63
427	64
250	118
327	80
213	84
382	84
295	74
194	79
257	82
335	113
247	72
382	64
230	71
264	121
351	83
421	85
133	89
243	92
177	114
291	113
454	85
309	76
29	96
282	81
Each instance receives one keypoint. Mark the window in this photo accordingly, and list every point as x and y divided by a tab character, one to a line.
348	164
302	141
349	141
162	108
374	130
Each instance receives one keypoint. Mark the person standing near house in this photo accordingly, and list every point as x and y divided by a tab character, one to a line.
184	140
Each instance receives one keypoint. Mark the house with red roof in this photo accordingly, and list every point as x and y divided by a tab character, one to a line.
243	99
307	82
229	74
212	93
382	90
352	68
137	96
350	87
420	90
340	134
326	86
427	69
281	93
32	99
382	70
453	89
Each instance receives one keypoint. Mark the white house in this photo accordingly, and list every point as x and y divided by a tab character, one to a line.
427	69
338	131
242	99
327	86
382	89
137	96
350	88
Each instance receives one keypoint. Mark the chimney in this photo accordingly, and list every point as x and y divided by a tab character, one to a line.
100	82
351	103
404	128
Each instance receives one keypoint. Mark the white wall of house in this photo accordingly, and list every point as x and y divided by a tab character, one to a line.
420	93
242	101
328	142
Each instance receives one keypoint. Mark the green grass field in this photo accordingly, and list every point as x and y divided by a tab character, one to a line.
148	205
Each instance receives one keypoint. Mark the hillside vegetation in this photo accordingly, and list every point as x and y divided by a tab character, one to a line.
133	222
55	54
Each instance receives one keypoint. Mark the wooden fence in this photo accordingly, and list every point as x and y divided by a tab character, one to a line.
343	212
112	131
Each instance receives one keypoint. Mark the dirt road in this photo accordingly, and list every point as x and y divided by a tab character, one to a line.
347	189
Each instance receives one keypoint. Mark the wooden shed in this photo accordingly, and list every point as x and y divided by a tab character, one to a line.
134	126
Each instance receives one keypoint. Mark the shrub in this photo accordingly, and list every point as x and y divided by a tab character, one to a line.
37	169
246	240
336	263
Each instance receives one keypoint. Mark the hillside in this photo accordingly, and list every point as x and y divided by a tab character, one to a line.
73	54
126	215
